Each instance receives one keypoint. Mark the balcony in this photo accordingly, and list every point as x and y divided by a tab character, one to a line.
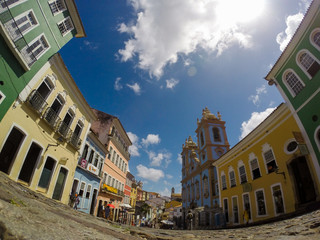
108	189
64	130
75	141
36	101
51	116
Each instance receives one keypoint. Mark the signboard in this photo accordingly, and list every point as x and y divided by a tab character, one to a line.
110	189
303	149
83	163
298	136
92	168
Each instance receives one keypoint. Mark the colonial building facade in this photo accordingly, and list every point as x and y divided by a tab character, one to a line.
267	174
31	32
44	130
111	133
200	192
297	77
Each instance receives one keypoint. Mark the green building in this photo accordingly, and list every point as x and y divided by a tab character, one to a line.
31	32
296	75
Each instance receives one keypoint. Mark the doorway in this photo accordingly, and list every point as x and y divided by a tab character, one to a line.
10	150
30	163
93	201
58	190
303	182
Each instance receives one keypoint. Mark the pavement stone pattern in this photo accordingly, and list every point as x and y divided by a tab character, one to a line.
26	215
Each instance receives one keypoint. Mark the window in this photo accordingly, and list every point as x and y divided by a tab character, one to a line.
34	50
205	186
291	147
82	187
88	191
20	25
293	83
189	193
96	160
277	199
197	190
91	156
85	151
5	4
65	26
57	6
64	128
75	138
193	191
255	169
242	174
38	98
113	156
109	180
223	181
317	137
110	153
117	159
216	135
308	63
201	138
232	178
316	38
52	113
47	173
270	161
261	206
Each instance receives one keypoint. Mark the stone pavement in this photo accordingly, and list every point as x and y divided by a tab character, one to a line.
26	215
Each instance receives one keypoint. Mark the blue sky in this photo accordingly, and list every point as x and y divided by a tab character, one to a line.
156	64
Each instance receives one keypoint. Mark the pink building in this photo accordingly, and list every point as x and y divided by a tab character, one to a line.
111	133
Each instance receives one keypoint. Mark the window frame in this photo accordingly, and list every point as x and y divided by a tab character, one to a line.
257	205
233	212
266	148
226	209
290	89
303	67
244	207
241	164
273	200
234	177
80	189
65	29
60	10
2	96
11	5
311	39
223	181
88	185
316	138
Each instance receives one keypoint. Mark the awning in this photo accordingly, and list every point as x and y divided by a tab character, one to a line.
125	205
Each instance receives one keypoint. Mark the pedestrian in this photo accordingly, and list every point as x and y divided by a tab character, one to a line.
76	202
189	218
107	212
246	216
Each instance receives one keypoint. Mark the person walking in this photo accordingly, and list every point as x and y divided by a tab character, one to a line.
76	202
106	212
246	216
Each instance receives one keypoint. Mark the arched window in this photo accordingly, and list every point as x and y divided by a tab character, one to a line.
308	63
216	135
242	172
223	181
293	83
232	177
317	137
201	139
316	38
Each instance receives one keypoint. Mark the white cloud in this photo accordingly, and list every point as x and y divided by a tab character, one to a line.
157	159
292	22
135	87
171	83
151	139
134	148
149	173
117	84
165	192
169	176
90	45
256	98
254	121
165	30
179	158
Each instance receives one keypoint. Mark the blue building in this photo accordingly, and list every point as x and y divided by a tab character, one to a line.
88	174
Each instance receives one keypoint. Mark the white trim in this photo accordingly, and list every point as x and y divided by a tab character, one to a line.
223	174
60	11
234	223
2	97
36	163
67	30
316	137
285	146
300	65
274	204
287	71
311	38
266	147
24	132
12	5
10	30
265	204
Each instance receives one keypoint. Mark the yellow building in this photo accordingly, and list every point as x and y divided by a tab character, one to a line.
43	131
268	173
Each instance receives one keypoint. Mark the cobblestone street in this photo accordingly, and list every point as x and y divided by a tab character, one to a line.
28	215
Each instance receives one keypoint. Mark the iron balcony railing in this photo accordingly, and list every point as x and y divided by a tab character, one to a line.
51	116
64	129
36	101
75	141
